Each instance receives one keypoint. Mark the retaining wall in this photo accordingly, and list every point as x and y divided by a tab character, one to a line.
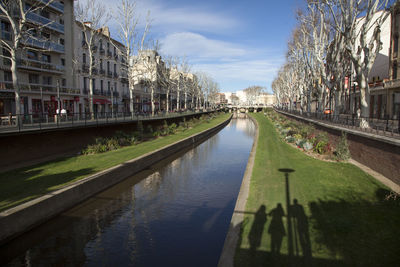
380	153
20	219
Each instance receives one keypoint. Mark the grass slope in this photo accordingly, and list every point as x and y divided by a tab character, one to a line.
21	185
346	217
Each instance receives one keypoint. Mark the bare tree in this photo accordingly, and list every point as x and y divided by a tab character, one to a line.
133	39
92	17
252	92
359	24
23	30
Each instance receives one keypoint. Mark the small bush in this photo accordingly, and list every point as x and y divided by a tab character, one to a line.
290	139
307	146
112	144
172	128
342	148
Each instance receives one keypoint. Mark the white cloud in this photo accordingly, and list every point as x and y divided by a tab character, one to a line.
197	46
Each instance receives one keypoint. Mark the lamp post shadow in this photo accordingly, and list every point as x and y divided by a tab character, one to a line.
289	222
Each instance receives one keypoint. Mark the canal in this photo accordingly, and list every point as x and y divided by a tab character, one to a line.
176	213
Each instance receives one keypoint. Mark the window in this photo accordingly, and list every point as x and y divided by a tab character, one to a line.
83	36
33	78
63	82
47	80
101	64
46	58
108	66
62	62
45	35
115	86
6	61
7	76
101	44
109	86
94	84
28	6
45	13
32	55
93	60
115	68
396	44
394	74
61	21
115	50
5	26
108	46
101	85
85	83
62	41
84	58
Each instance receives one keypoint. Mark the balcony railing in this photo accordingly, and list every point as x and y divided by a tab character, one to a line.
85	68
40	65
109	74
54	47
45	22
102	71
115	75
55	5
36	88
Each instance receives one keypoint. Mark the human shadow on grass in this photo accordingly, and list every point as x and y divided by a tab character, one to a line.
21	185
362	232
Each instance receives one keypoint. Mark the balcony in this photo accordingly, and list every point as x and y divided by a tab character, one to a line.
33	17
102	51
50	46
85	68
124	79
102	72
54	5
32	64
109	74
94	71
115	75
37	88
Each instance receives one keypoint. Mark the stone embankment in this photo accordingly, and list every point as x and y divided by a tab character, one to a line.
20	219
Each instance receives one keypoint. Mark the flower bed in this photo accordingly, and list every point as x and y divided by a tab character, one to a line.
307	138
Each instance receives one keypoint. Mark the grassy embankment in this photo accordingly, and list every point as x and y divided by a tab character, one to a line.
347	222
21	185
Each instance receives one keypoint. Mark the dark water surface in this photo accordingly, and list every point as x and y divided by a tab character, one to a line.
176	213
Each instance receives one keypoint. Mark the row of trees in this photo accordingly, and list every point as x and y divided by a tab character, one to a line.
132	34
334	39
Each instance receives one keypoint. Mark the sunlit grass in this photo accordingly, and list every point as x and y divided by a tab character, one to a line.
350	223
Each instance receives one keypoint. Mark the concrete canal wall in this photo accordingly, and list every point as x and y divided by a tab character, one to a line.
20	219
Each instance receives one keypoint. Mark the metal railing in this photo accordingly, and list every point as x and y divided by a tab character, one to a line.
11	123
385	127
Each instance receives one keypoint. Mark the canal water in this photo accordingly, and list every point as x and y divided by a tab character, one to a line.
176	213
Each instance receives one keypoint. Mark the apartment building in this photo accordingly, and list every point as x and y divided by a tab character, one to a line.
44	65
109	71
392	86
149	70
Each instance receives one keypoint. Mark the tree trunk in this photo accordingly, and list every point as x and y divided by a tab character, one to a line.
167	100
178	106
152	101
91	110
365	98
15	78
185	99
131	99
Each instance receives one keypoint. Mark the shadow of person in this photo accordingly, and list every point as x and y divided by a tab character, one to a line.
257	228
276	229
301	229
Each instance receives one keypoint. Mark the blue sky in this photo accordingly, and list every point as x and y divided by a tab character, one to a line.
239	43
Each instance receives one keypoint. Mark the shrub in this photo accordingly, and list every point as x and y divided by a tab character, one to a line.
172	128
290	139
322	137
307	146
112	144
298	136
320	147
342	148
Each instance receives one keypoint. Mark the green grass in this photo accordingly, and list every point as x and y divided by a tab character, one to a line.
350	223
21	185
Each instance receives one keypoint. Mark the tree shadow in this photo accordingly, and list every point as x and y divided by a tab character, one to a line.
22	185
362	232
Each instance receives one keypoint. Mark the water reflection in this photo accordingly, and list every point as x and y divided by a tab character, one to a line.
167	215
